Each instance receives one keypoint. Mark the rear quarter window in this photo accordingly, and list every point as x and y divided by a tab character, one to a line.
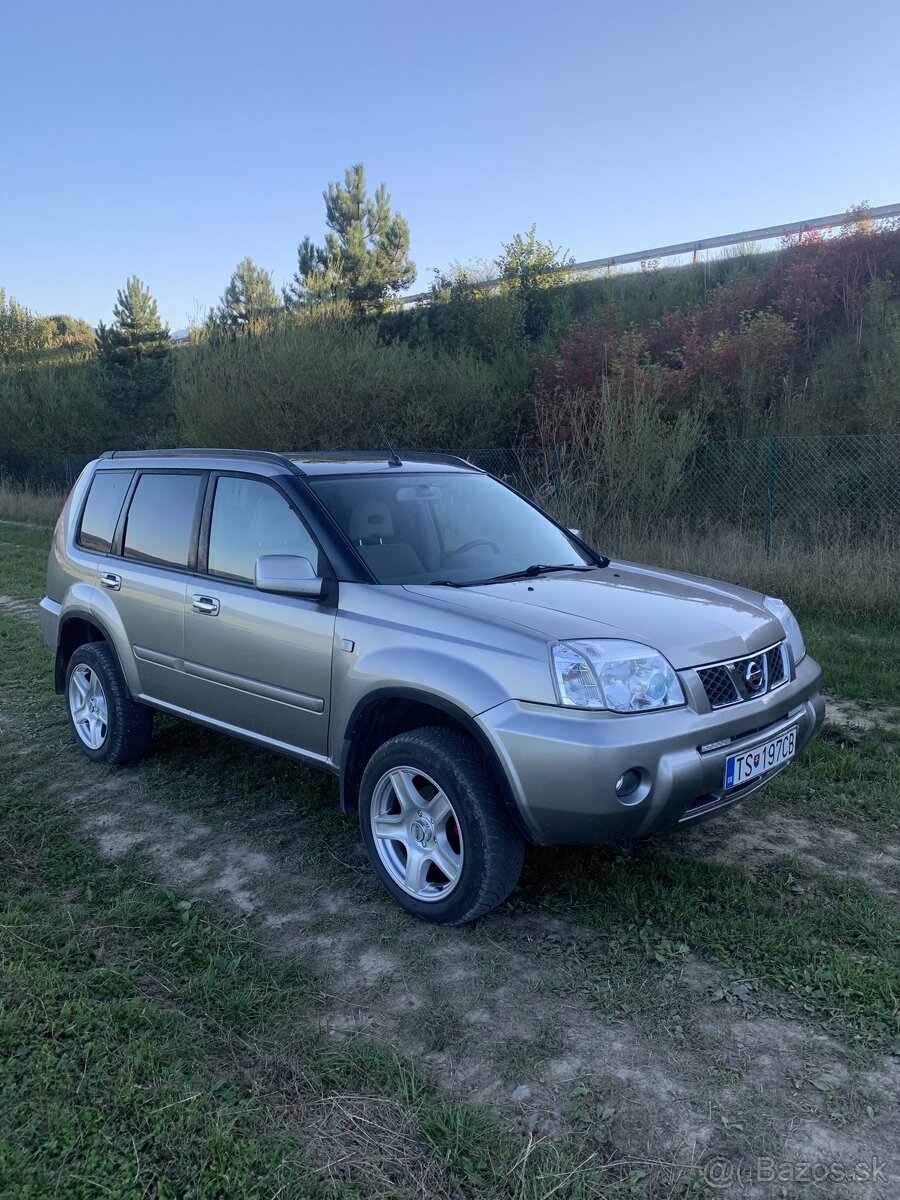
161	518
101	512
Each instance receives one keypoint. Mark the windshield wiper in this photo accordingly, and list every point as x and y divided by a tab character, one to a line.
538	569
525	573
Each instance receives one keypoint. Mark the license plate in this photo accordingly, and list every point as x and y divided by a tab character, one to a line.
740	768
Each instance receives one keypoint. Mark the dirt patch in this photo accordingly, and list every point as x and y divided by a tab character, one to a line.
26	524
753	841
459	999
26	609
849	715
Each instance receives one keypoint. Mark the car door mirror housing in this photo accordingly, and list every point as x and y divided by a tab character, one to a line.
287	575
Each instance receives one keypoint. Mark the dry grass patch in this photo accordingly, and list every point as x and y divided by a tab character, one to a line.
30	506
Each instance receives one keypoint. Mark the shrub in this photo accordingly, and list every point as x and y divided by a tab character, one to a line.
53	408
324	386
612	456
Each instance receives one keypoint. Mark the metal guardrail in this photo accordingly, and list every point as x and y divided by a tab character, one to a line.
765	234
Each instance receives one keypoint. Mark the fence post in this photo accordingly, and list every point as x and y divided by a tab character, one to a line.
559	450
770	498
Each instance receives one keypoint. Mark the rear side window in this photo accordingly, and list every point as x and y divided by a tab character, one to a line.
160	519
101	513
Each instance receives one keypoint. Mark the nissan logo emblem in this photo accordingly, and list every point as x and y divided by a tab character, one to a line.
754	676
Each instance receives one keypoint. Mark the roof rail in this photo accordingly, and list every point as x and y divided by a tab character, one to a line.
270	456
377	455
285	460
453	459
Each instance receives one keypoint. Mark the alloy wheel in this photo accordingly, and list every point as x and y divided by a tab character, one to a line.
416	833
88	706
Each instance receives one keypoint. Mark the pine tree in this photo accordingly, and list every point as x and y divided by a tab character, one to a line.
250	300
366	252
135	354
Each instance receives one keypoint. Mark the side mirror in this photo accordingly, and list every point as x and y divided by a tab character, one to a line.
577	532
287	575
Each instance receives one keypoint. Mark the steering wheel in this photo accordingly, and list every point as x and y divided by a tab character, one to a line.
475	542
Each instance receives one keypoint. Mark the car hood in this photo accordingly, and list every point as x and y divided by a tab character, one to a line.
690	620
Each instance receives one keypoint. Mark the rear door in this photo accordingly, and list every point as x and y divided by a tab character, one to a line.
145	577
257	663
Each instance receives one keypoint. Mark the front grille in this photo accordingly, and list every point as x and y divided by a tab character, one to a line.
777	669
717	683
744	678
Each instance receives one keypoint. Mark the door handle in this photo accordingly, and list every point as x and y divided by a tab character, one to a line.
208	605
110	580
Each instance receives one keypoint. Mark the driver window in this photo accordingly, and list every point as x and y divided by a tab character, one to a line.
250	518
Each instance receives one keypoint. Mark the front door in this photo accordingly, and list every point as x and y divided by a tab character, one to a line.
258	663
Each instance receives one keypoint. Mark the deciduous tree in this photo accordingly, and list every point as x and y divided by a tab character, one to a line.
528	269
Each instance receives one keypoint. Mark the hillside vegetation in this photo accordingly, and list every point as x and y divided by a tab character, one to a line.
611	395
805	340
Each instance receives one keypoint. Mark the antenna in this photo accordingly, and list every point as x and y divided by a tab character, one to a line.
394	458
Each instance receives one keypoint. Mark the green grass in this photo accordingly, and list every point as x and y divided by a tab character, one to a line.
111	1089
124	1022
855	782
859	657
831	945
23	553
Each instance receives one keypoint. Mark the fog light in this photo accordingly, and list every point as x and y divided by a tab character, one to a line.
628	783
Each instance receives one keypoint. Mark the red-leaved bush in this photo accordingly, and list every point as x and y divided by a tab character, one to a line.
736	355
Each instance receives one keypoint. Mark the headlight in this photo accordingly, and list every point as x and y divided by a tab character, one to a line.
779	609
620	676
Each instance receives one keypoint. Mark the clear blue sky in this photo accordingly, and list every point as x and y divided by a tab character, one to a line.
170	140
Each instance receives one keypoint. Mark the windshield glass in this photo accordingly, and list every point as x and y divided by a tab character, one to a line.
454	528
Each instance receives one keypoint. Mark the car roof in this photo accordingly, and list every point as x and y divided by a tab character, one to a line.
320	462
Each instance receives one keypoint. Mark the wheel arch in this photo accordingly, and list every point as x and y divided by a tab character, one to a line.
77	628
386	712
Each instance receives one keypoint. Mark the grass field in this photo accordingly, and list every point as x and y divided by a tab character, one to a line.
206	994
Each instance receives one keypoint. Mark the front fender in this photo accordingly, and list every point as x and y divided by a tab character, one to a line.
444	676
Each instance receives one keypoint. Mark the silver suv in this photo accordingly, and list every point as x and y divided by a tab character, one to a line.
476	675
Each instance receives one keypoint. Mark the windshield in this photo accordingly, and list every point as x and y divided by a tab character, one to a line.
454	528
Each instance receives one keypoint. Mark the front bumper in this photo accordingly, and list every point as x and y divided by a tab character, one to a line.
562	764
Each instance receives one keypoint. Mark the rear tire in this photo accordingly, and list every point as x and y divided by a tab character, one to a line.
107	724
438	834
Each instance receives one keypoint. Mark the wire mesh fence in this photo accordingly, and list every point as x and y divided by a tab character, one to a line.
769	491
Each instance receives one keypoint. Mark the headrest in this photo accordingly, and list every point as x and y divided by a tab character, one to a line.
371	519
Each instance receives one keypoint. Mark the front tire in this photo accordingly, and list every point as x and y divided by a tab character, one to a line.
106	723
438	834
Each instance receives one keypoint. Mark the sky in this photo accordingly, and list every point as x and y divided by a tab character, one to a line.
171	140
